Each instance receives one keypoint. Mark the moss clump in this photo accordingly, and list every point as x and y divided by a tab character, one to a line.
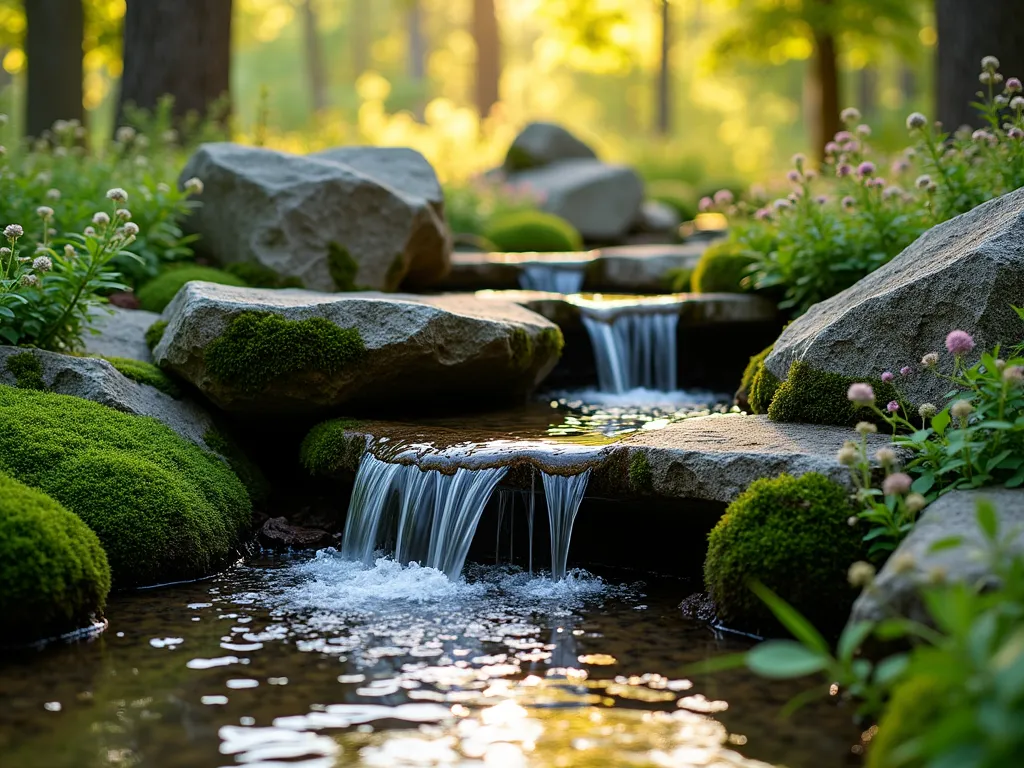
248	472
258	276
550	343
27	370
743	394
342	266
257	348
163	508
522	231
155	295
54	574
522	349
763	387
155	334
327	449
641	479
791	535
815	397
145	373
721	269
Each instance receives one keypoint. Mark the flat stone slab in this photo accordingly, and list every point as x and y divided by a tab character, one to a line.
620	269
121	334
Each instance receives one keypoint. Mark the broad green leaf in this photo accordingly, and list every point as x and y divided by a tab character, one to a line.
950	542
784	659
987	519
791	619
853	638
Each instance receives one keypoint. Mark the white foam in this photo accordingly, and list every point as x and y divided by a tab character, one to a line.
680	399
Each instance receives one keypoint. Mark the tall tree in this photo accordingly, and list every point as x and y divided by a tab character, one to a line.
53	47
487	36
360	35
314	58
969	30
180	48
417	53
665	71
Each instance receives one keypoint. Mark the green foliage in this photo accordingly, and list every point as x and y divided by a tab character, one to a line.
533	231
641	479
155	334
470	207
744	395
791	534
763	387
258	276
722	268
155	295
53	570
248	472
257	348
27	371
145	373
342	266
327	449
679	280
163	508
817	397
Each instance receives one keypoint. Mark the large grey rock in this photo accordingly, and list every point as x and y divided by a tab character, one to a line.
420	350
897	588
658	218
602	201
375	213
93	379
542	143
964	274
121	333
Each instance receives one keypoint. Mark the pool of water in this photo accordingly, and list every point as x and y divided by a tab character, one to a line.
315	662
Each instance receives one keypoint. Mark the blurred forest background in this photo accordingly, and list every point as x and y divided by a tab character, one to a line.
702	91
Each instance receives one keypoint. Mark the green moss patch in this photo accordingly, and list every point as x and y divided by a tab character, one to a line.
743	395
155	334
257	348
816	397
155	295
258	276
163	508
523	231
27	370
763	387
792	535
641	479
327	449
721	269
342	266
145	373
54	574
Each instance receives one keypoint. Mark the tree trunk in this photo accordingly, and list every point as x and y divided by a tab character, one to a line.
314	58
867	91
361	35
488	56
825	92
417	54
665	72
180	48
969	30
53	45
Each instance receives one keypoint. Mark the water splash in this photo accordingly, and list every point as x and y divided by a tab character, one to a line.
549	277
564	496
634	349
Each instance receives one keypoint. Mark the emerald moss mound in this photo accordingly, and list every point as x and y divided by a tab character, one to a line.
155	334
763	387
525	231
327	449
792	535
815	397
743	395
163	508
257	348
145	373
721	269
27	370
158	292
54	576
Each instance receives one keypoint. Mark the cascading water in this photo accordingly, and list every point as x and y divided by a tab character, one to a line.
552	278
634	349
433	515
564	496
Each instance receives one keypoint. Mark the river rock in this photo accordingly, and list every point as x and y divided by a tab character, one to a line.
278	533
601	200
420	351
543	143
345	219
963	274
94	379
121	333
896	590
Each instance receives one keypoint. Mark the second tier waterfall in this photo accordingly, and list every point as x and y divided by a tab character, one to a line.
634	349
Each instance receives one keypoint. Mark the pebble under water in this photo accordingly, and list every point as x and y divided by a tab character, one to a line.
315	662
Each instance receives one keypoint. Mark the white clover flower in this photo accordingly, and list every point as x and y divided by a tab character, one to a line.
53	195
29	280
5	252
916	120
42	264
141	161
131	229
44	212
118	195
1017	102
100	219
923	181
163	188
70	252
13	231
850	115
123	213
194	186
89	232
124	134
861	574
990	63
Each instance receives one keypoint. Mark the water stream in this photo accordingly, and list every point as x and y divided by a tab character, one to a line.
634	349
552	278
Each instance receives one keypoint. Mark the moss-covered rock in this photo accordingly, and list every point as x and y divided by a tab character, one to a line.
27	371
257	348
54	576
721	269
155	333
743	394
163	508
146	373
641	478
259	276
342	266
533	231
155	295
763	387
815	397
792	535
328	449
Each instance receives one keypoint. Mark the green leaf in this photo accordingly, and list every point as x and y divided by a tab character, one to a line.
924	483
950	542
853	638
987	519
891	669
717	664
940	422
791	619
784	660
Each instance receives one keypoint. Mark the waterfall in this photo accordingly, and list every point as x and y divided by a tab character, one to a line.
634	349
551	278
564	496
422	516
